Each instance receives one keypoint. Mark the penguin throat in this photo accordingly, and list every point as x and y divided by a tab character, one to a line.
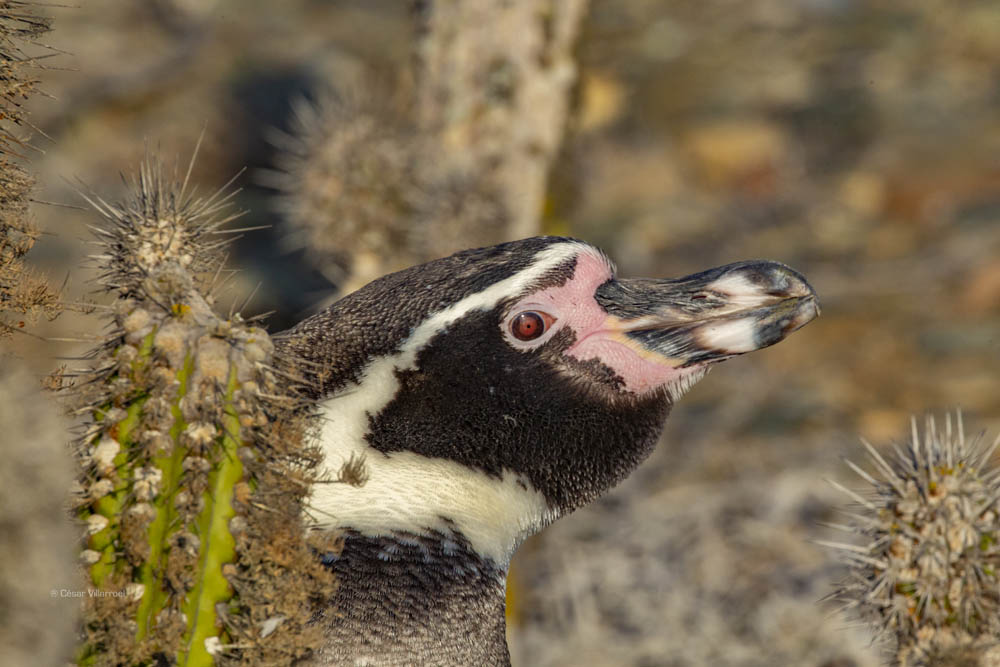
406	492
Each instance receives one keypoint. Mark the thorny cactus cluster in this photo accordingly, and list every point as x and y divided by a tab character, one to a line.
193	464
24	296
929	578
356	166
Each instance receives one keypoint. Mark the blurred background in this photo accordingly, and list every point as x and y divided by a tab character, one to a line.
857	141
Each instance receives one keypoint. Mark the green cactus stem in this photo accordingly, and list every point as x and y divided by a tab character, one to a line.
218	544
151	572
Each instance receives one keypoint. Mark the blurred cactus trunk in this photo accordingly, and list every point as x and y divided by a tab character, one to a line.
455	156
493	87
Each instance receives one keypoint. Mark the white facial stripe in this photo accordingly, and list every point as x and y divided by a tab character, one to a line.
408	492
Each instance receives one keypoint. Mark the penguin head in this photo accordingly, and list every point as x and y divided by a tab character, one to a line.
495	390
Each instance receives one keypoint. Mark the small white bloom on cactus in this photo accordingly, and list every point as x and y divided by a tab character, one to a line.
213	646
147	482
135	591
103	455
101	488
198	435
96	523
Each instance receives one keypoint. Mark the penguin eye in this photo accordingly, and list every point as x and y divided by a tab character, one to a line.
530	324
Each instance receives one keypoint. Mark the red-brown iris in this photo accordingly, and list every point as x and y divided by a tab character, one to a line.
530	324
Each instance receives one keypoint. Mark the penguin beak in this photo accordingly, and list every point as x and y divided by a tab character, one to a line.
708	316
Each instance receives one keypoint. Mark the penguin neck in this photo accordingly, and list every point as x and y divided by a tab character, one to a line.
415	598
410	492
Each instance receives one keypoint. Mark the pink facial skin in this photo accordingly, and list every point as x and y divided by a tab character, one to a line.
598	335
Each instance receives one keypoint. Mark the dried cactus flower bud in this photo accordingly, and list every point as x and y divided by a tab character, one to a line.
928	579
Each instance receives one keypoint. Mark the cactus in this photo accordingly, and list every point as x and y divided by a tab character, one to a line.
24	295
195	465
928	579
355	167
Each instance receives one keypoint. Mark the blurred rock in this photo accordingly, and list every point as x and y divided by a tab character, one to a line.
981	292
602	97
698	574
741	153
40	586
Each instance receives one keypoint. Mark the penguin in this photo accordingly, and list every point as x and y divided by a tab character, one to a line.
490	393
